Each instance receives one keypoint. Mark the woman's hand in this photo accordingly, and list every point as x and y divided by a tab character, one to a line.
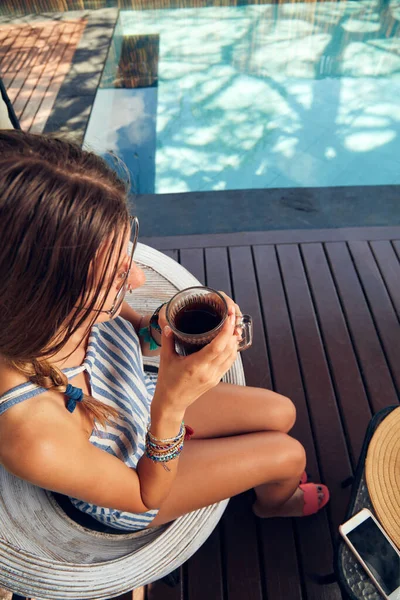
182	379
238	312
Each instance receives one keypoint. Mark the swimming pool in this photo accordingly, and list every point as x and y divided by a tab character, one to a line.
250	97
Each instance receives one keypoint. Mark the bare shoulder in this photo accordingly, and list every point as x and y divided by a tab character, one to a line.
27	424
46	445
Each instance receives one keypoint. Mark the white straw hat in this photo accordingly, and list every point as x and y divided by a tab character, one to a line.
45	554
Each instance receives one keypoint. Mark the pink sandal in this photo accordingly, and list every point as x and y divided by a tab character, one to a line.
304	477
311	501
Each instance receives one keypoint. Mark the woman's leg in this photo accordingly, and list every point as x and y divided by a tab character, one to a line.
259	454
211	470
233	409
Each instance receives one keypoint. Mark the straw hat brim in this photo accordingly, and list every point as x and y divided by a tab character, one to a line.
382	472
44	554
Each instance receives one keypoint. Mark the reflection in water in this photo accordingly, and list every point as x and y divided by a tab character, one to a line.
132	62
288	95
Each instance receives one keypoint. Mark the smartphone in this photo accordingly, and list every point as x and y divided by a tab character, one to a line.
375	551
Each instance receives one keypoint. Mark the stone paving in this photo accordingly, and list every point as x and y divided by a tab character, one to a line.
75	99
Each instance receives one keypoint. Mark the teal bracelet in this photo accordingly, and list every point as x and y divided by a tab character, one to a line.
147	337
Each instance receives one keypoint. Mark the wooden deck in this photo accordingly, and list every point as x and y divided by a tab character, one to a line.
51	64
34	60
326	307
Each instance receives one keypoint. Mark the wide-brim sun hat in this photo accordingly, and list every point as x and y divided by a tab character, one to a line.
45	554
382	472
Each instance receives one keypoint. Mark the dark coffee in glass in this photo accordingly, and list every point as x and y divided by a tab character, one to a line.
196	315
197	318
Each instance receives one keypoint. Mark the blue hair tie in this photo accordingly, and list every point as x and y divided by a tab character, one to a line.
75	395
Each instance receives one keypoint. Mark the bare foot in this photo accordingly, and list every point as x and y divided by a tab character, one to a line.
291	508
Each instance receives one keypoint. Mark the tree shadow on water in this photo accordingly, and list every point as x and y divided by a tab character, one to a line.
208	143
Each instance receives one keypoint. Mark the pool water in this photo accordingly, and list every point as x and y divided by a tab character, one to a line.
258	96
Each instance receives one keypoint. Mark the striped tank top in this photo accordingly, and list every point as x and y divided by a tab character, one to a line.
114	365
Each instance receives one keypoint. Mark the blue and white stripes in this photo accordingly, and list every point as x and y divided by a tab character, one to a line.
115	367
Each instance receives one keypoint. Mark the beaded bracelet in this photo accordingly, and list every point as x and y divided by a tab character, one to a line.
188	434
166	458
169	453
166	440
164	450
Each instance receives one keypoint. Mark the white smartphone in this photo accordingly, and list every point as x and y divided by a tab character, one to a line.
375	551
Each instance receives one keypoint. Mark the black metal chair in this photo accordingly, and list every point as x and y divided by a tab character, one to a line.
11	113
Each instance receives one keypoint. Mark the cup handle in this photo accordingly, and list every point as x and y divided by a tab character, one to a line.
247	337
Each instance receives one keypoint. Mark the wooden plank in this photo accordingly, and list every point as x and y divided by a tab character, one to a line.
314	539
45	45
204	571
137	594
161	591
14	76
349	388
62	65
396	246
9	49
389	267
238	527
239	550
281	571
41	78
281	568
217	269
374	370
34	47
272	237
5	31
193	261
327	428
245	294
12	54
7	35
386	320
174	254
234	543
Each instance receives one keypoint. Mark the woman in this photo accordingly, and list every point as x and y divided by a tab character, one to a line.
77	413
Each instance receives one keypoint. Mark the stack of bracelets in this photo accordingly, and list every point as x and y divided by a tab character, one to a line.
163	451
158	450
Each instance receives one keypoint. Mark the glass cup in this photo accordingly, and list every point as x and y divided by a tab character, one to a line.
197	314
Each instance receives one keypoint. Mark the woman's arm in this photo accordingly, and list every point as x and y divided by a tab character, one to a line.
62	459
140	321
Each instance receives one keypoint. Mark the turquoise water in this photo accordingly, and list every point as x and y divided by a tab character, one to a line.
266	96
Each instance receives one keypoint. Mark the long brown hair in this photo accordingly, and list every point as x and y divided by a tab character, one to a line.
58	205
